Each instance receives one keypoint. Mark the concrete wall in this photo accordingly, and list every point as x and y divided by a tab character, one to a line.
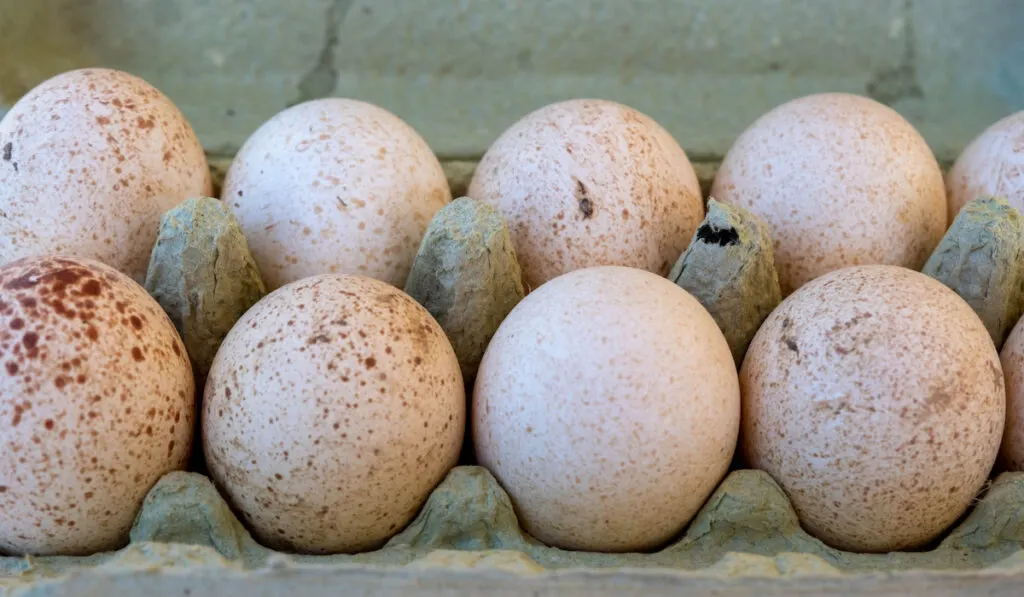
460	71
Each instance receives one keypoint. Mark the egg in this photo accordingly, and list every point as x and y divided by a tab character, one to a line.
991	165
335	186
89	161
607	405
874	396
588	182
96	404
1012	360
332	410
841	180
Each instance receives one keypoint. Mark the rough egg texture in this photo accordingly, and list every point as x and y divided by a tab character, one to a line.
991	165
588	182
96	404
841	180
607	405
89	161
1012	358
875	397
335	186
332	410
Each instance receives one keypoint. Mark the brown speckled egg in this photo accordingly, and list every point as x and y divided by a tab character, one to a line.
588	182
607	405
332	410
1012	358
89	161
875	397
991	165
335	186
841	180
96	404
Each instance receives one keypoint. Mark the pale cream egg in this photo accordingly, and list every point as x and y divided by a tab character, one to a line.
607	405
841	180
335	186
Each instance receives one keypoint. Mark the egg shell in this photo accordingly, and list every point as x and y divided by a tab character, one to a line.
96	404
89	161
607	405
589	182
335	186
991	164
841	180
874	396
332	409
1012	359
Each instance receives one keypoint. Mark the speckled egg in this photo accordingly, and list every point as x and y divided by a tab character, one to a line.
875	397
1012	358
607	405
89	161
841	180
335	186
587	182
96	404
992	165
332	410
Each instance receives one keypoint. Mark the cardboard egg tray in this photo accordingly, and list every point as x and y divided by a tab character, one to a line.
704	69
746	540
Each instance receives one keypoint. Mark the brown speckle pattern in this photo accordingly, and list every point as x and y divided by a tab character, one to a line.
328	434
85	174
886	422
85	428
590	182
841	180
991	165
607	405
335	186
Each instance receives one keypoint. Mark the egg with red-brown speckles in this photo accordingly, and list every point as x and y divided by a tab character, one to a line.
874	396
841	180
96	404
335	185
991	165
332	410
607	405
590	182
89	161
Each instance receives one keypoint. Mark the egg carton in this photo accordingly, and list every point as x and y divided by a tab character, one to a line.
467	539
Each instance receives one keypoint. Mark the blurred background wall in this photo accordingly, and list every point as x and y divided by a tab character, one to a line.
460	71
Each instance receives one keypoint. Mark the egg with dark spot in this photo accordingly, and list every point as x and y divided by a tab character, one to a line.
332	409
874	396
589	182
86	426
91	159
